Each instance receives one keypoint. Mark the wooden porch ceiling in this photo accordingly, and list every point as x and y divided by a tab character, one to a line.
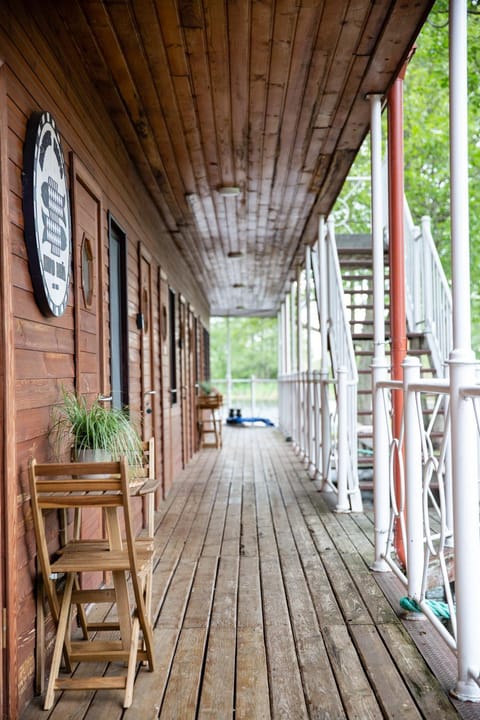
265	95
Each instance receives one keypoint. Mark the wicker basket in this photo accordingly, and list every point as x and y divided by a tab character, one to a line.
209	402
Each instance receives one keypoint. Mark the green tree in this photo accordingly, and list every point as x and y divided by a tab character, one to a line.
253	347
426	145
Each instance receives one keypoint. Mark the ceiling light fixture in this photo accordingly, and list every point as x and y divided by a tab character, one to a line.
229	191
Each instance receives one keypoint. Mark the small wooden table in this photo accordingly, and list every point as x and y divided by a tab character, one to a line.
208	421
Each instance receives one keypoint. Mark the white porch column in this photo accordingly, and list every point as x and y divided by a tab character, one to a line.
343	504
308	408
381	490
293	368
229	366
464	435
287	332
280	347
280	361
300	394
324	314
413	481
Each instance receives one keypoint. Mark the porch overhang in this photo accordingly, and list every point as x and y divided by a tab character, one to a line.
266	97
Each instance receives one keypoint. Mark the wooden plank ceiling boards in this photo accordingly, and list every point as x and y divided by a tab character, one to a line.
268	96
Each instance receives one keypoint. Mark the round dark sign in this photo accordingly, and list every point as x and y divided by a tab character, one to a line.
47	214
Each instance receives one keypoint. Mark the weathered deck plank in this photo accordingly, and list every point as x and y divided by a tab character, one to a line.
265	607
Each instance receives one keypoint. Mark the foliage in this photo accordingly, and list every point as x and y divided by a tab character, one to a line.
426	146
253	347
94	427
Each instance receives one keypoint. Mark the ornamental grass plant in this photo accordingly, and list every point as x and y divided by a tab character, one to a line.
77	426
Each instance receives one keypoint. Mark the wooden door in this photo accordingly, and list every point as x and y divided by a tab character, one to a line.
145	325
89	269
164	465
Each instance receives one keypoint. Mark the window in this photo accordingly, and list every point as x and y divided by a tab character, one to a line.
87	271
173	346
206	354
118	314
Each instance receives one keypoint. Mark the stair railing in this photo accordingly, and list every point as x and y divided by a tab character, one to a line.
428	295
343	447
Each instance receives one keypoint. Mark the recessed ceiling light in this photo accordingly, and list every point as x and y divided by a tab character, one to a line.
235	254
229	191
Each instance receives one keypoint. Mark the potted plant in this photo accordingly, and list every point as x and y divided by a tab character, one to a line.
83	428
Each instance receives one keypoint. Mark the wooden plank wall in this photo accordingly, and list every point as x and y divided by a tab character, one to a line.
48	353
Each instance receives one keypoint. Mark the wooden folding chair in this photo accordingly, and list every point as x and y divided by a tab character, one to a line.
105	485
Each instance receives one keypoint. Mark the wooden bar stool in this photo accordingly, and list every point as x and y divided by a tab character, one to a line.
105	485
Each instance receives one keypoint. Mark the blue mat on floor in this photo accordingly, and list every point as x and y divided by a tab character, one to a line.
241	420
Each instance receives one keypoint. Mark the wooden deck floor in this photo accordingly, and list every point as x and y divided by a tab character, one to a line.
265	606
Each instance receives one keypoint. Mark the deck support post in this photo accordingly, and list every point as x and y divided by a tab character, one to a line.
381	491
281	362
462	373
325	417
413	481
229	364
398	321
309	458
343	502
294	368
300	449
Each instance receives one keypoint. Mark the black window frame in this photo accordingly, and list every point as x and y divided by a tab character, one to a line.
119	283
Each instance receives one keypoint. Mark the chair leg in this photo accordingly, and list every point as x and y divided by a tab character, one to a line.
132	663
40	642
82	618
63	621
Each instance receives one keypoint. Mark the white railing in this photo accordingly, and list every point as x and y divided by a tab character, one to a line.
420	545
428	295
341	452
328	456
253	396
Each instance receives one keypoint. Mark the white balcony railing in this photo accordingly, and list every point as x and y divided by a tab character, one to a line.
422	546
428	295
253	397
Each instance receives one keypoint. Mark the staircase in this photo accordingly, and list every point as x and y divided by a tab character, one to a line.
355	257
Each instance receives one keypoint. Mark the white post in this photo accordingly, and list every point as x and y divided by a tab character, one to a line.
288	337
279	339
252	396
316	425
413	480
426	261
280	361
309	397
464	461
300	417
324	315
343	504
417	245
293	367
381	490
229	366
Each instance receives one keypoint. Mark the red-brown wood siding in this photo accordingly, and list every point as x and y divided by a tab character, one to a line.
41	354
